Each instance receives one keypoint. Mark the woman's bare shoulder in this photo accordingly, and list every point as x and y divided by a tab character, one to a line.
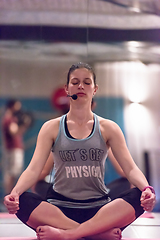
52	122
51	127
108	127
106	122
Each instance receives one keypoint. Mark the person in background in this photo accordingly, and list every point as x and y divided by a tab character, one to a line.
14	125
78	205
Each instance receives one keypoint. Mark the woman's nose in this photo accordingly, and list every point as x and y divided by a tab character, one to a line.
80	85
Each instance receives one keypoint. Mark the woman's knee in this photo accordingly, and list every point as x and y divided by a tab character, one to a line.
28	201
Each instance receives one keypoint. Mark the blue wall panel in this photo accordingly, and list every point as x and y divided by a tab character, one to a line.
111	108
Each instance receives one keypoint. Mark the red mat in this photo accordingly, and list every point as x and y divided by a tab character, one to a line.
31	238
7	215
147	215
17	238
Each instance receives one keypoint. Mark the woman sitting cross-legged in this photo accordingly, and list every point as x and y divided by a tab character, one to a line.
78	204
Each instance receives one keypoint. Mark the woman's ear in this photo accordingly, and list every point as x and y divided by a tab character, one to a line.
95	89
66	89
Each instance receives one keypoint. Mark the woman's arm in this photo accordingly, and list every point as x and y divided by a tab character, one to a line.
47	167
41	153
46	170
115	164
115	139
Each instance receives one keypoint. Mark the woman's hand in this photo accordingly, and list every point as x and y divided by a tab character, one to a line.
148	200
11	202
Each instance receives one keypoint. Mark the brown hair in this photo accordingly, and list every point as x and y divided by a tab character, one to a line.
78	66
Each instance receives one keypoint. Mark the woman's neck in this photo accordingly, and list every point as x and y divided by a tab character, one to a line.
80	115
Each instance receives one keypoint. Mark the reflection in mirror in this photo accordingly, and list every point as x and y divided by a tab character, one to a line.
38	44
40	41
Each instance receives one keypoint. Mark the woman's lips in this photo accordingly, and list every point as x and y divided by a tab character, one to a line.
81	94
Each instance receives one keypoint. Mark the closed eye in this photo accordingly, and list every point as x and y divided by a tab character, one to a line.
86	81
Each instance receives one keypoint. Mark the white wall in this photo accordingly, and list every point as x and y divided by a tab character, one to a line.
31	78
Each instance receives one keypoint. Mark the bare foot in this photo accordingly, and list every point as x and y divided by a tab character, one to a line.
49	233
113	234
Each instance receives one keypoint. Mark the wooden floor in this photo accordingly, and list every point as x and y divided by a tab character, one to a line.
145	227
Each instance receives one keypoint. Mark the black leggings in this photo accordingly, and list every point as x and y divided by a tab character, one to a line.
29	201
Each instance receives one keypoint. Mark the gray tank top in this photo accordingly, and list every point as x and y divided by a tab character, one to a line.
79	164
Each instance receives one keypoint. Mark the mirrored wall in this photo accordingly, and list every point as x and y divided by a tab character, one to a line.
39	40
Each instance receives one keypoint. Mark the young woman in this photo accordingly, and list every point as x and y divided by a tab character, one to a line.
78	205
